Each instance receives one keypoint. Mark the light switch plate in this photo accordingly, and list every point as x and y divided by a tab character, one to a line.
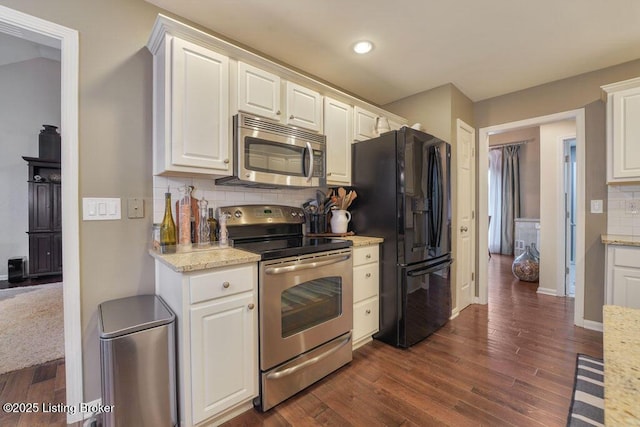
596	206
135	208
100	209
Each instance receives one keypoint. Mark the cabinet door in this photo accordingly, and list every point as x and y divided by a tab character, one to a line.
304	107
364	124
258	91
56	196
338	128
199	108
56	253
40	253
626	287
624	135
40	206
224	358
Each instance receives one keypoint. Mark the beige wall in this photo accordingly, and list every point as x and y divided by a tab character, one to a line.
114	150
581	91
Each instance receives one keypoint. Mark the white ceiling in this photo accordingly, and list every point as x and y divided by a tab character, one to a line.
485	48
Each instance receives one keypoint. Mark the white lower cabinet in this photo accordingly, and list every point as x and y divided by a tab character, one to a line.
623	276
366	280
217	340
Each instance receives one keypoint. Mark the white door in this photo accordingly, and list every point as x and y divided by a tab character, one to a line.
465	198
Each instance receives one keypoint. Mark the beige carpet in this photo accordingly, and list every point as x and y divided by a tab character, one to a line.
31	326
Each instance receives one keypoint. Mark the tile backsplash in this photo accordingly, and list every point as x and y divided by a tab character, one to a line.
223	195
623	210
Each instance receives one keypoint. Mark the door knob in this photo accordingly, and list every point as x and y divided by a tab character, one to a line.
251	306
463	229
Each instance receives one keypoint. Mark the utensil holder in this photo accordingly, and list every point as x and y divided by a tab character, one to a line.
317	223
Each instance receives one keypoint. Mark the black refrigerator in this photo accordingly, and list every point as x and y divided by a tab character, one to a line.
403	182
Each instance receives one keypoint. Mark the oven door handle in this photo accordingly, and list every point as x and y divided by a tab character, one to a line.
310	151
307	265
293	369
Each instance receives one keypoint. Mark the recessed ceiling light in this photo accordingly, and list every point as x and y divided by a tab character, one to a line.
363	47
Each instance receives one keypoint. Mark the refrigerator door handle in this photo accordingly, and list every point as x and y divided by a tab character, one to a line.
422	272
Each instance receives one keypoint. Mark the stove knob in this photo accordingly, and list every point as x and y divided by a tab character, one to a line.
293	214
237	214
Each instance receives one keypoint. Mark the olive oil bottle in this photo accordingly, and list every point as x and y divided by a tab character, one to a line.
167	228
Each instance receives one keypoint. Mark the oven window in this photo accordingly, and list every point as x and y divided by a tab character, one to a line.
273	157
310	303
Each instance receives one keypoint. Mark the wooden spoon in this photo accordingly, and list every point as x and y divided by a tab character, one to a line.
341	194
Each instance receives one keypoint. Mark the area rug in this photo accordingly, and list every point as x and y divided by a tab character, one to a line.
587	404
31	326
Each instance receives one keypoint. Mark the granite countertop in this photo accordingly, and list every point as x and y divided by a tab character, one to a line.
203	259
620	239
621	366
363	240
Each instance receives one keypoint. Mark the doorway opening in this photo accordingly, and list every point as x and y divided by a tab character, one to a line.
66	40
552	218
571	207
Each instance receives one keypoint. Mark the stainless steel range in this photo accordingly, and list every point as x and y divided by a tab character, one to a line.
305	298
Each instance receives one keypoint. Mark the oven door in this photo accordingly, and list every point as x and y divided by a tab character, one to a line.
304	302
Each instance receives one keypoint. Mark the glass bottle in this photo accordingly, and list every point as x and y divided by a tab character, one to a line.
213	226
167	228
184	217
224	234
204	234
526	267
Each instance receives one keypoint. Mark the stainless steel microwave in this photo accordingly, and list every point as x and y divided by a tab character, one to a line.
268	154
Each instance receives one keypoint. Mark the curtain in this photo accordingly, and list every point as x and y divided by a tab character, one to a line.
510	196
495	199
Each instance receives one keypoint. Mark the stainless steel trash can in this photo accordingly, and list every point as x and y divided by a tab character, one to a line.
138	363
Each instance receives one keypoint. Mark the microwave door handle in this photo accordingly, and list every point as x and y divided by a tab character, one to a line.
310	151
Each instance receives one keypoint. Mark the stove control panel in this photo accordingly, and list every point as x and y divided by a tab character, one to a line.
262	214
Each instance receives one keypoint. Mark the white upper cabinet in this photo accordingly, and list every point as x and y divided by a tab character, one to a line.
623	131
364	124
258	91
338	128
191	110
304	107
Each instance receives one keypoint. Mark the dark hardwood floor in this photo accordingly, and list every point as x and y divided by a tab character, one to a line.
509	363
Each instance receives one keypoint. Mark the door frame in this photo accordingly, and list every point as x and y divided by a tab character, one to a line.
482	217
44	32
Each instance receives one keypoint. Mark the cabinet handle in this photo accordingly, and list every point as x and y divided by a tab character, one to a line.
226	161
368	256
368	311
225	284
251	306
328	173
278	112
463	229
367	275
291	117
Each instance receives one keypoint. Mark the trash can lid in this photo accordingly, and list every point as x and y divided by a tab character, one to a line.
132	314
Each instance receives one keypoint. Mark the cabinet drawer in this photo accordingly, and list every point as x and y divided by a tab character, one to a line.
365	318
221	283
626	257
365	255
365	281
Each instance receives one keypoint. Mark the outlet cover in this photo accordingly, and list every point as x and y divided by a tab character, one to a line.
596	206
632	207
135	208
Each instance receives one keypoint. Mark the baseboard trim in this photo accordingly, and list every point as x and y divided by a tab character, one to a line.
547	291
593	325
